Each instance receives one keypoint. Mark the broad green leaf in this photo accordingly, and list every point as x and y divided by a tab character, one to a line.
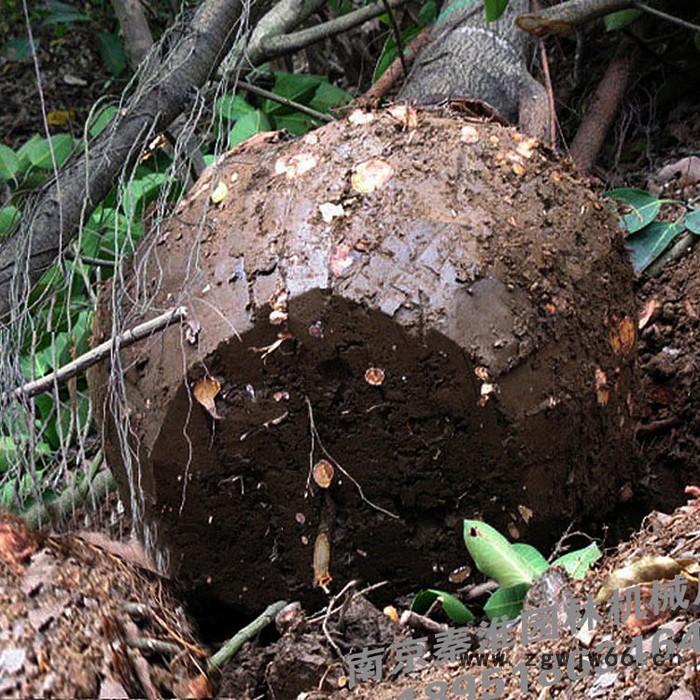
390	52
619	20
10	451
9	162
296	87
532	556
17	49
579	562
230	108
100	120
692	221
646	245
9	216
247	126
507	601
295	123
493	9
453	607
39	152
644	207
495	557
328	95
62	13
140	193
112	52
7	495
427	13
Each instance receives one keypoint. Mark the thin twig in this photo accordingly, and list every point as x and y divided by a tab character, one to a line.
261	92
317	437
92	357
669	18
397	35
246	634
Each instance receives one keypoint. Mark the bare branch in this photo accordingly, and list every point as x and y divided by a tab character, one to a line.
98	353
135	31
274	46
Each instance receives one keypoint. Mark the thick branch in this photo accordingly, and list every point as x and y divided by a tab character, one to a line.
135	31
53	221
273	46
563	18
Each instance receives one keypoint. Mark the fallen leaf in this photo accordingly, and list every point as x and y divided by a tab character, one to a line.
643	570
16	542
205	391
371	175
687	170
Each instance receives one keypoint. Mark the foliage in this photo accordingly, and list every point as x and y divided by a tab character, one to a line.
647	235
514	567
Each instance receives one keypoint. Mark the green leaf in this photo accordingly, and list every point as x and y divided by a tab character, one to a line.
579	562
9	216
493	9
427	13
692	221
39	151
532	556
390	52
17	49
139	193
495	557
7	494
10	451
9	162
230	108
296	87
453	607
112	52
644	207
507	601
646	245
100	120
619	20
61	13
328	95
247	126
296	123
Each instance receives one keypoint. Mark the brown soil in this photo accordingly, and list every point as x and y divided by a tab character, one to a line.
478	295
65	629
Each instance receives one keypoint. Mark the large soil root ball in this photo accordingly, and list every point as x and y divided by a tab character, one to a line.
438	314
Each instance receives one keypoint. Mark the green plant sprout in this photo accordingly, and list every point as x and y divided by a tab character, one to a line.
514	567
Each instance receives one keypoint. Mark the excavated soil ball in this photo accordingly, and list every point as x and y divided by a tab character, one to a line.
392	326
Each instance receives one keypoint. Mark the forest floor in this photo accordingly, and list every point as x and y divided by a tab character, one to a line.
84	616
